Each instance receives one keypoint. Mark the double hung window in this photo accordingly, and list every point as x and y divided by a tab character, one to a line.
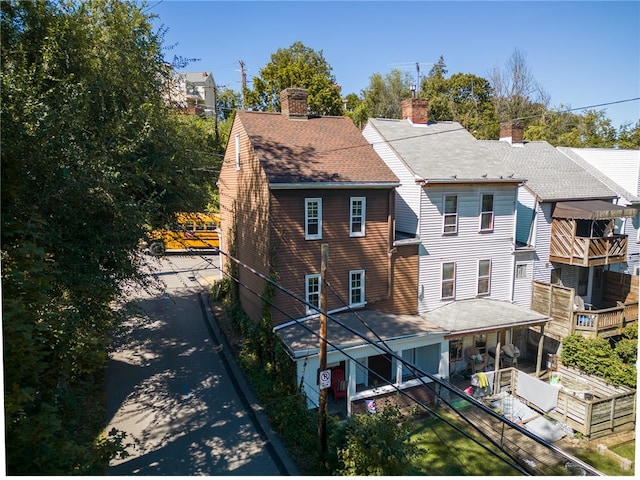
357	216
486	213
313	218
484	277
356	288
312	292
450	220
448	281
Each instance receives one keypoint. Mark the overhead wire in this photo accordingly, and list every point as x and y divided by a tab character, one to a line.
384	348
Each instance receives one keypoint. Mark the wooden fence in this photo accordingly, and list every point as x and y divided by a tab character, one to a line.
593	407
586	403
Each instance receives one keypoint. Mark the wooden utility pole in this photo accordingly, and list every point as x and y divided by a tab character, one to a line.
322	421
243	81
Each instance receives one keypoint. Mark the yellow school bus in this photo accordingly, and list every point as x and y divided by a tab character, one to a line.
192	230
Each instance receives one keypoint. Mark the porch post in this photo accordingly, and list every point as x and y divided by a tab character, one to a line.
351	383
540	350
496	364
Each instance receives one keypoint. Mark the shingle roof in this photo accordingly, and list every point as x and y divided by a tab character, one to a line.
580	156
549	174
318	149
441	150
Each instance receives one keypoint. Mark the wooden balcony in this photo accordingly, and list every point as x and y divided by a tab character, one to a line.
605	322
621	299
568	248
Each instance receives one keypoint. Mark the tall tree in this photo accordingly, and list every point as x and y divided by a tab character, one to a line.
463	98
384	95
591	129
91	158
300	67
517	94
629	137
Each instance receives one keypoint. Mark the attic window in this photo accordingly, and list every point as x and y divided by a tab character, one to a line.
237	151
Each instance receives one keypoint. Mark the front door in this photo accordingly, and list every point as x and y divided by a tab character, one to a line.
380	366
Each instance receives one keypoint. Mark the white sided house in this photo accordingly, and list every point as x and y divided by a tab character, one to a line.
620	171
459	200
569	223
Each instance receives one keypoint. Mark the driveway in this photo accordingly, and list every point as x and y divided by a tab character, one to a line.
177	393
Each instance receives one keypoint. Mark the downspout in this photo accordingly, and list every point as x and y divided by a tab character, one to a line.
391	235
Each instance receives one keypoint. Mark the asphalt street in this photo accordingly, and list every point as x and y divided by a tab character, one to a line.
174	389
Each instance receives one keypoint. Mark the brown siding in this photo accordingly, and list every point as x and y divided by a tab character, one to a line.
404	292
248	188
297	257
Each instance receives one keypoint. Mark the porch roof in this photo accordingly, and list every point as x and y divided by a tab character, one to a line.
301	337
592	210
482	315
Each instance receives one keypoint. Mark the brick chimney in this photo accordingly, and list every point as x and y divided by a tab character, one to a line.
293	103
416	110
512	132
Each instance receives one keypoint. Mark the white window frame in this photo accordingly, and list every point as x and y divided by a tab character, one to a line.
307	218
359	288
446	215
483	278
489	213
237	151
452	281
310	295
519	267
363	216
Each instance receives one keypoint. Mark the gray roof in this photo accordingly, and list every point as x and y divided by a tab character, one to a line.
442	151
195	78
477	315
549	174
303	340
464	317
574	154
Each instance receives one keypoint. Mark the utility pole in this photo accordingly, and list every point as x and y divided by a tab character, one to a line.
243	80
322	421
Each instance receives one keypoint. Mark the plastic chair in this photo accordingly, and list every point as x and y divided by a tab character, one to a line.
338	384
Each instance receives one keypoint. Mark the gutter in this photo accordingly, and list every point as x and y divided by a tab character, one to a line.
332	185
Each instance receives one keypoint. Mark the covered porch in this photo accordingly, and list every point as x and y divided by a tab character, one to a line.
484	327
369	351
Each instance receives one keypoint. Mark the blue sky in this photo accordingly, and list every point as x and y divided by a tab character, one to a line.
583	53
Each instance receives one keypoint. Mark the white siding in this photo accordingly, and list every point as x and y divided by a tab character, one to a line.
522	286
621	166
467	246
542	266
407	211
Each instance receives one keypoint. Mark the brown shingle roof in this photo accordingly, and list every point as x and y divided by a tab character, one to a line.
319	149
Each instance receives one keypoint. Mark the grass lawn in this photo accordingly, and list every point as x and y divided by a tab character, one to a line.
626	450
603	464
448	452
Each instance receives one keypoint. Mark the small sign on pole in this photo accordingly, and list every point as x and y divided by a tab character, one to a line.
325	379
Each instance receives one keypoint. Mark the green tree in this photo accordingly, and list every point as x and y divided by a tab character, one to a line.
377	444
629	137
384	95
91	159
228	102
590	129
296	67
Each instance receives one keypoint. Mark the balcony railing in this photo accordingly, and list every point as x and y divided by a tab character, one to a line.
588	251
605	322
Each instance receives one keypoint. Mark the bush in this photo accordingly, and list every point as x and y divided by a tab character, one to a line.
377	444
596	356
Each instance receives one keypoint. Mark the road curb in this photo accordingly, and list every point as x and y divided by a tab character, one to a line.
274	444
